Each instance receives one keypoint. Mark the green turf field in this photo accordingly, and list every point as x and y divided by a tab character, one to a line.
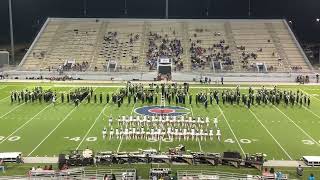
45	130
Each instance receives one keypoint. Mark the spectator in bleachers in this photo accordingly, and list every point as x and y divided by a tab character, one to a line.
202	57
296	68
164	47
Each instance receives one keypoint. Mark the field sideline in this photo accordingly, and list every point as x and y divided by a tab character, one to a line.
45	130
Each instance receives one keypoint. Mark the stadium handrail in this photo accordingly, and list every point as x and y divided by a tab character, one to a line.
34	42
295	39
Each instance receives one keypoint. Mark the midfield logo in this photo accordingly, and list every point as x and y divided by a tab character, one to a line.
158	110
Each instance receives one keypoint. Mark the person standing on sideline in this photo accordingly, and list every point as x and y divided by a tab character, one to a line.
222	80
300	170
311	177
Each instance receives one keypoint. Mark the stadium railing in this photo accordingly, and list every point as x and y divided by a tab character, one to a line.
217	175
128	174
81	173
196	174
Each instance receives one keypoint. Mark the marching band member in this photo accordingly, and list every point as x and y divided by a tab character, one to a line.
117	133
126	133
211	134
104	133
207	121
215	122
110	120
185	134
219	134
193	133
111	133
134	133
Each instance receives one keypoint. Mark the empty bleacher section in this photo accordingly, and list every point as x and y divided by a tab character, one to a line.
124	45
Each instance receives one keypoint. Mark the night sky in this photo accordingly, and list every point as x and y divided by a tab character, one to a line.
29	15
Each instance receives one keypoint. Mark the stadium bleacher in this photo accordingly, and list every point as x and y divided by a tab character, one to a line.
194	45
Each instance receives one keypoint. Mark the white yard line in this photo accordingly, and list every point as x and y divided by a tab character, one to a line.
5	98
190	105
309	95
159	145
16	106
311	112
56	127
96	120
3	87
192	116
200	146
304	132
122	137
275	140
12	110
18	129
234	135
53	130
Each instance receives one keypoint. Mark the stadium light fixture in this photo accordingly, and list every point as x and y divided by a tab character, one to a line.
11	31
318	20
125	7
249	8
167	10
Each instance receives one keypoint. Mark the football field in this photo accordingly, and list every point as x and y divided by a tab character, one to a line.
41	129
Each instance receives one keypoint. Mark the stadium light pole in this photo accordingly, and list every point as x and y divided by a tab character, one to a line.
249	8
85	8
207	9
318	24
167	9
11	32
125	7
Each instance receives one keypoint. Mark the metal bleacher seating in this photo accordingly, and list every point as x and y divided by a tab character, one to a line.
86	40
119	42
166	30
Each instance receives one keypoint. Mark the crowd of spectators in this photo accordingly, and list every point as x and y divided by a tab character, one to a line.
53	78
113	38
248	58
83	66
217	52
302	79
166	47
39	55
296	68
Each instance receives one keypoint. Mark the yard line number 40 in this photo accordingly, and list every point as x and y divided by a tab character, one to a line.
12	138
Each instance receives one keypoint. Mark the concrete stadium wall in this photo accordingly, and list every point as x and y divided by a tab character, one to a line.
149	76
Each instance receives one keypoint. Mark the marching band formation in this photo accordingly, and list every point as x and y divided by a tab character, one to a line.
155	128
